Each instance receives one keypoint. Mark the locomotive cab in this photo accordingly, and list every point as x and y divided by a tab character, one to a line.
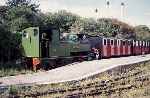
48	38
45	40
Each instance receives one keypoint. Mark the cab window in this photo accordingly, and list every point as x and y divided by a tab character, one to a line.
35	32
25	34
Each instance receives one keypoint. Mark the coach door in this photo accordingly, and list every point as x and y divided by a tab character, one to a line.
104	51
112	47
115	47
121	47
108	48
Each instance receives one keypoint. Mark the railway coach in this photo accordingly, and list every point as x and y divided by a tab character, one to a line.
112	47
115	47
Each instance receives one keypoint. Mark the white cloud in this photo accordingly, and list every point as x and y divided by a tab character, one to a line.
2	2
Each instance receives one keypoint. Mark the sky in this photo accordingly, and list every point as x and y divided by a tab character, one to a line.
135	12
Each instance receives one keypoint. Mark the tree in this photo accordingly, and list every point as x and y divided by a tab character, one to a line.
62	19
109	28
90	26
22	14
28	3
17	15
77	27
9	43
142	32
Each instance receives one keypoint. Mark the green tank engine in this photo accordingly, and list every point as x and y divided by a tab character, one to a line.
49	45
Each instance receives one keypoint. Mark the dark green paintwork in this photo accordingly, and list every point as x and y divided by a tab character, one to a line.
64	49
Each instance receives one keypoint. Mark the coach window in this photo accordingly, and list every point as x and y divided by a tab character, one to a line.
112	42
124	42
104	41
121	43
115	42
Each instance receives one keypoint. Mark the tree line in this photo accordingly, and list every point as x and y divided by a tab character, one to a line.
17	15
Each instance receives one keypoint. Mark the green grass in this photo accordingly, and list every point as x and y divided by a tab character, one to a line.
13	72
12	69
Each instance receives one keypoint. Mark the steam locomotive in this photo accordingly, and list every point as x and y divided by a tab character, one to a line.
49	47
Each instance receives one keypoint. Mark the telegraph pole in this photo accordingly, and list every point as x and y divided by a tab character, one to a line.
108	7
97	15
122	10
